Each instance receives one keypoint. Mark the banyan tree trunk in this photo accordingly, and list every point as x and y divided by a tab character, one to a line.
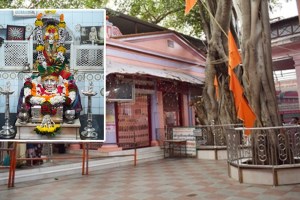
255	73
215	19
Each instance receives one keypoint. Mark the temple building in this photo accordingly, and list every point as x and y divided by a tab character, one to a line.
150	79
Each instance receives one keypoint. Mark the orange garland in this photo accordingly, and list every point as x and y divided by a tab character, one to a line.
33	90
47	97
67	89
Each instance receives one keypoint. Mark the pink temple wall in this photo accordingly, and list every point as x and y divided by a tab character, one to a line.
146	60
179	50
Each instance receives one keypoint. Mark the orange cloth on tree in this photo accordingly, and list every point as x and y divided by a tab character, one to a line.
246	114
189	4
235	87
216	87
244	111
234	57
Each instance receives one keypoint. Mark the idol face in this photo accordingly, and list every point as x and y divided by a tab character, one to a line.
50	83
51	39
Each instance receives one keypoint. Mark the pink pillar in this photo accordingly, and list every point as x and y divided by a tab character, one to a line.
185	112
297	68
159	115
160	110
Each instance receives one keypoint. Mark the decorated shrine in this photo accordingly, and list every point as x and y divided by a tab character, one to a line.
51	69
50	93
52	87
51	64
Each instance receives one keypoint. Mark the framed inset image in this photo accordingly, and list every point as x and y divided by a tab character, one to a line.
92	35
24	13
15	32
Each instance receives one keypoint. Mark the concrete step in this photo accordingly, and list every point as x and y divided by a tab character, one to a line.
111	160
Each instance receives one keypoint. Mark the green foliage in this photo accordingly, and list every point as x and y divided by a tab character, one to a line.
166	13
5	4
53	4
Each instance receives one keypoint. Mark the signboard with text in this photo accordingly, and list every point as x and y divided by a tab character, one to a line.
188	135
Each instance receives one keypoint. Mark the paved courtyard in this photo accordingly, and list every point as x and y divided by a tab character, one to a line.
180	179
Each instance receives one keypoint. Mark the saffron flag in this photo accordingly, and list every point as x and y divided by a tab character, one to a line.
244	111
216	87
235	87
234	57
246	114
189	4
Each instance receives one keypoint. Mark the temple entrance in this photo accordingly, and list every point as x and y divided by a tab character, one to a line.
134	122
171	109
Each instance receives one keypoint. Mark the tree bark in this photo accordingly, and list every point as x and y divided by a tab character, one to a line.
215	24
257	77
255	73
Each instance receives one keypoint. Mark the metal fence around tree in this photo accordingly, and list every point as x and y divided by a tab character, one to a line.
264	146
212	135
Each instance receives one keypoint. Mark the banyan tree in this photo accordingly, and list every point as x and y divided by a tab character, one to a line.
248	21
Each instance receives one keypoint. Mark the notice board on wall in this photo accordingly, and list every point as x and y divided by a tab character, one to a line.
182	133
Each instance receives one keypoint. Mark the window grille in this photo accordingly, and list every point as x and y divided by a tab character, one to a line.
15	55
89	58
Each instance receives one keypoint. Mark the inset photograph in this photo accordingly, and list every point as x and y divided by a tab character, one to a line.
52	75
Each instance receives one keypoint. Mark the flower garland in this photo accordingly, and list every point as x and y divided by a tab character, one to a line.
51	33
35	94
48	127
49	131
55	33
50	61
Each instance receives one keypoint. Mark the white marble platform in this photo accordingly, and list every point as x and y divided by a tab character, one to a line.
67	132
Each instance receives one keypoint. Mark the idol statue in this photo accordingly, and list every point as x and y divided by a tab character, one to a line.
51	90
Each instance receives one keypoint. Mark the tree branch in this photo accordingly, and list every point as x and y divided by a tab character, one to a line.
163	16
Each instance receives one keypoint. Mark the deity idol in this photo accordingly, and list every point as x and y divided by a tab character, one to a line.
93	34
52	90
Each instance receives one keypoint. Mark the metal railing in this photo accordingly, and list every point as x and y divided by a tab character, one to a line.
285	28
264	146
212	135
205	135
